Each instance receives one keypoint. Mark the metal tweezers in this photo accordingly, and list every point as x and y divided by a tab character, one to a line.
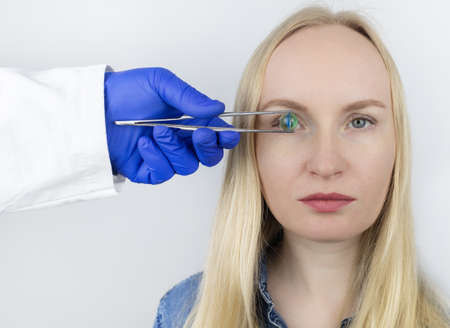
214	128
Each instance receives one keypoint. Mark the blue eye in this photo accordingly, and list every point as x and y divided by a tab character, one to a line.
362	119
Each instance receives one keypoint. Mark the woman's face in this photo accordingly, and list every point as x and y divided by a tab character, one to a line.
325	69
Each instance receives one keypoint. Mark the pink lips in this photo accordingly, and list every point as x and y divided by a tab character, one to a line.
327	202
326	205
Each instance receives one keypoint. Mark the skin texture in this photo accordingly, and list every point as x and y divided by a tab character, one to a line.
324	68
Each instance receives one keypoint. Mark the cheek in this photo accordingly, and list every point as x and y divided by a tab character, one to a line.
375	163
375	171
276	165
276	160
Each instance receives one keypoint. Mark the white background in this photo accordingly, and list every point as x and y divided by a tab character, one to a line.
107	262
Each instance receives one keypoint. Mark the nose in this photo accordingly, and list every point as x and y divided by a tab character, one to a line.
326	158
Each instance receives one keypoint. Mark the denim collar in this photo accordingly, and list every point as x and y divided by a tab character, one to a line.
271	317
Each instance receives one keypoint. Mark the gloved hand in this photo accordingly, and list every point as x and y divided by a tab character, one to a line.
154	154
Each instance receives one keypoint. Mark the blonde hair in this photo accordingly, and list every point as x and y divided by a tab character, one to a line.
393	291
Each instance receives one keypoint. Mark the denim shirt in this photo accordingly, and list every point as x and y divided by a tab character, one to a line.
176	304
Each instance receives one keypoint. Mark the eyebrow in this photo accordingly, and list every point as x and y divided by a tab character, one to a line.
302	108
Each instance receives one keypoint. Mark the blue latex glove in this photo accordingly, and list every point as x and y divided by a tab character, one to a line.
154	154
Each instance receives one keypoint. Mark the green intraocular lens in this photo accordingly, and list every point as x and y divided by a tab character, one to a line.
288	122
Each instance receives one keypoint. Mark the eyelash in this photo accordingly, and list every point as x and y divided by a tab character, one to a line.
372	121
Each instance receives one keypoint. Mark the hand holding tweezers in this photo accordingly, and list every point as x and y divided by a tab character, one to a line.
153	122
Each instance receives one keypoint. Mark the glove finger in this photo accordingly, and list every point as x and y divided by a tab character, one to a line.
186	135
227	139
182	159
205	144
184	97
155	168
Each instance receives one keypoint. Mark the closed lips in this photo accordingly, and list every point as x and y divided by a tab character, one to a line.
330	196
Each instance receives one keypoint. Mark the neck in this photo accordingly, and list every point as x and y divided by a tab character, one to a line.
320	272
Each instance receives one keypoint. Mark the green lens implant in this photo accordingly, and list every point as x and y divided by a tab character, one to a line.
288	122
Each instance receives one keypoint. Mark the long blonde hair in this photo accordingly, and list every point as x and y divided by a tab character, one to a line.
393	291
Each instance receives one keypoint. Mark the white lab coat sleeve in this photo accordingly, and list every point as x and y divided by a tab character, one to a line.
53	145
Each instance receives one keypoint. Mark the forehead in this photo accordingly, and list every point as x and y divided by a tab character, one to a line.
326	65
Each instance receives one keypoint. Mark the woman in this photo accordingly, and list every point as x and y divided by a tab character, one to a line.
275	261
